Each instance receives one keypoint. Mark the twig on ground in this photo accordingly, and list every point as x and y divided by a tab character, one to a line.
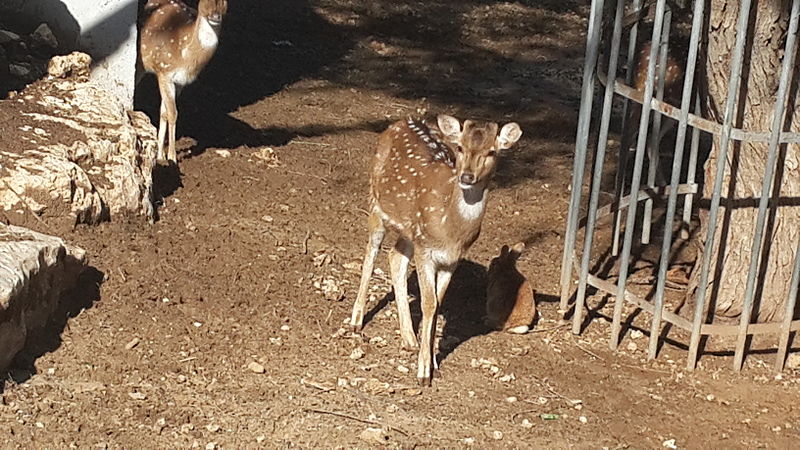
357	419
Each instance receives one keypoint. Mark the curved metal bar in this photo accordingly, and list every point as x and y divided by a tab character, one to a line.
662	107
669	316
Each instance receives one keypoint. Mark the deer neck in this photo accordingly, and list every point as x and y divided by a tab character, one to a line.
468	205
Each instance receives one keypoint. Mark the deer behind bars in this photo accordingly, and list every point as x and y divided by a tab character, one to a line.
176	42
429	183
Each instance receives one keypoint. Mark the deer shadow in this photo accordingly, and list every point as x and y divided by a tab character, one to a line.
463	308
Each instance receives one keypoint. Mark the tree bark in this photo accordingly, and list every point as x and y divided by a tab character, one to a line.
744	174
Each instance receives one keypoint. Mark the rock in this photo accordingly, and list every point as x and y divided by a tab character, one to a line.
374	436
20	70
100	167
793	361
8	36
75	64
44	36
256	367
35	272
357	353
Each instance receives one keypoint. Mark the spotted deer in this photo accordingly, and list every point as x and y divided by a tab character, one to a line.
673	85
176	42
429	183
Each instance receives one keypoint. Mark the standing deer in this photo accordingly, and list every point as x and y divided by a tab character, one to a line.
176	42
429	184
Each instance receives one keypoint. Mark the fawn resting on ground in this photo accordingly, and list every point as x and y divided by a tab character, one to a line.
176	42
428	183
510	305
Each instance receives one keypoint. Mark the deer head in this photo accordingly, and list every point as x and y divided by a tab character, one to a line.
477	146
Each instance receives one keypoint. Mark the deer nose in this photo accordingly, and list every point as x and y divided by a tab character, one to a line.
467	178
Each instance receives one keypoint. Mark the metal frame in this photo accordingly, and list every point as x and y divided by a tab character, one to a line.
651	100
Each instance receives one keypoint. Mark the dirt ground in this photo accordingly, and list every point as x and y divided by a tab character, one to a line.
256	253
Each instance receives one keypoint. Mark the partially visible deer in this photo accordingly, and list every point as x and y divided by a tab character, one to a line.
176	42
510	304
673	82
429	183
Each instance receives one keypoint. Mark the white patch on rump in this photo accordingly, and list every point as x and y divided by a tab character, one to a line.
207	36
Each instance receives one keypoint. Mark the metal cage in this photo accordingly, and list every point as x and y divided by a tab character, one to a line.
601	87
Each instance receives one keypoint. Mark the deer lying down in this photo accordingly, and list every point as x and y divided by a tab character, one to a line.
429	183
176	42
510	305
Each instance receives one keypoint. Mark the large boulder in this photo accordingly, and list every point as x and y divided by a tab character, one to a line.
72	153
35	272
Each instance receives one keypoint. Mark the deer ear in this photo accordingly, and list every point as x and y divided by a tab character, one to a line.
450	127
517	249
509	135
504	250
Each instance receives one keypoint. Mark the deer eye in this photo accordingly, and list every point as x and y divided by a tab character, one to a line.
491	154
460	149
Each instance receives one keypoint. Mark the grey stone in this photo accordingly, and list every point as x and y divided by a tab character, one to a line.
43	35
19	70
8	36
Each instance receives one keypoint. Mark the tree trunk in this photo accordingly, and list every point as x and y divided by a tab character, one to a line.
746	162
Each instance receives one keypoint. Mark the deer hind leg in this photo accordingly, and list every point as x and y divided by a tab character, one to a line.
398	264
162	128
443	277
377	232
426	272
169	115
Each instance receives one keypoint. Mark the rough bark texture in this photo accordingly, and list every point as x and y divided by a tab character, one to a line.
746	162
35	271
72	152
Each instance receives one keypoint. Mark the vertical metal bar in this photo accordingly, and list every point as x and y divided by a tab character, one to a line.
788	315
725	138
581	141
655	133
622	159
766	186
691	172
672	201
637	176
602	143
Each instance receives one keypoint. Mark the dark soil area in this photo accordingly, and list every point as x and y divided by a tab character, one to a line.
256	256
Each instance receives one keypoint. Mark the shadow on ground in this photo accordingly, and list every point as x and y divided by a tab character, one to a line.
49	338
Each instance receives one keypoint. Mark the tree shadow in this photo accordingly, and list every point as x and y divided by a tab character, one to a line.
261	50
47	338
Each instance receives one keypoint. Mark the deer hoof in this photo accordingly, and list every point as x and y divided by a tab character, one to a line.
424	381
410	346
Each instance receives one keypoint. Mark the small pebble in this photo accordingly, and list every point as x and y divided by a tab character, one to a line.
527	424
497	435
357	353
256	367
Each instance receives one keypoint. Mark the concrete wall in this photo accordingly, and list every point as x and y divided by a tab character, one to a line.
105	29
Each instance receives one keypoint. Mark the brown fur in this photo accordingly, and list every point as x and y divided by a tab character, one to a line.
171	47
510	303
